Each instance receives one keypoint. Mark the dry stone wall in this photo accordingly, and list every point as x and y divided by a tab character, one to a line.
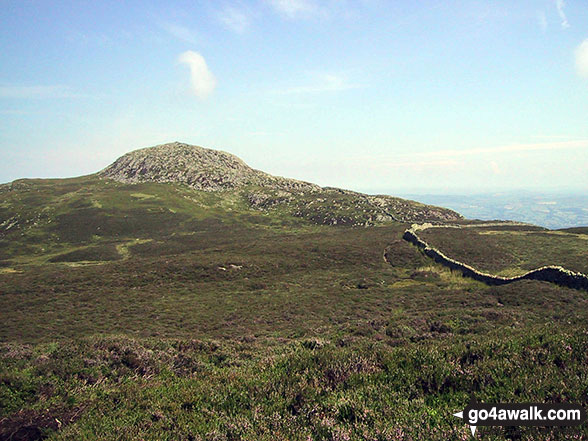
553	274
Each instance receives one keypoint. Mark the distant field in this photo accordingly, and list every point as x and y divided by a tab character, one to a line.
550	210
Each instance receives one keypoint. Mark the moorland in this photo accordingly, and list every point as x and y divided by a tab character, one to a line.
183	298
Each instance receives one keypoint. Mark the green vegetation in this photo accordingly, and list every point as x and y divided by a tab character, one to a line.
154	311
512	250
120	388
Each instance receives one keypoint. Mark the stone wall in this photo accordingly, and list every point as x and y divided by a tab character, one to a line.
553	274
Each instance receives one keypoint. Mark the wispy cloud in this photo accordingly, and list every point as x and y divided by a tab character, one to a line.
542	20
546	137
321	9
560	4
417	164
581	55
493	161
202	79
14	112
181	33
510	148
235	19
38	92
452	158
294	8
324	82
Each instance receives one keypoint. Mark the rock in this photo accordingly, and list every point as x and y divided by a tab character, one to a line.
197	167
214	171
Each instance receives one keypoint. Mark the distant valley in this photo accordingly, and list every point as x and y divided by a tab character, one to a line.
553	211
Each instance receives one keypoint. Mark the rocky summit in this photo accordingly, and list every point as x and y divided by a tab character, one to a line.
198	167
217	171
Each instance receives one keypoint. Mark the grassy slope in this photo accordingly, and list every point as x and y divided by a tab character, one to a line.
155	312
512	251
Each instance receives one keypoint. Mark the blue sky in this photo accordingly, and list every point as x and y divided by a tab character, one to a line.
403	96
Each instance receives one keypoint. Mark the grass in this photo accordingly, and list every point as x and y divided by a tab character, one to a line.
511	252
121	388
153	311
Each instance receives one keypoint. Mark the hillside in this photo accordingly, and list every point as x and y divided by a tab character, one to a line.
172	191
197	167
216	171
510	250
180	294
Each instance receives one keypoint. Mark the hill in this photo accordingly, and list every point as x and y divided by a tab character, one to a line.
197	167
180	294
173	190
216	171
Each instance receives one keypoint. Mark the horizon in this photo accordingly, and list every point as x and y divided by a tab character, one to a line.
415	98
405	192
301	220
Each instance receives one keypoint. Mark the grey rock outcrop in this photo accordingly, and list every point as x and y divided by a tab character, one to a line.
216	171
198	167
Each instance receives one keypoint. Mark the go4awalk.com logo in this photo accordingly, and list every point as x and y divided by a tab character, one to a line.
521	414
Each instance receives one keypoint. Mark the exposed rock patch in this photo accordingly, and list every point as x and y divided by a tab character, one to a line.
215	171
198	167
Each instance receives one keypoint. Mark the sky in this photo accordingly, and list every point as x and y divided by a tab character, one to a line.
372	95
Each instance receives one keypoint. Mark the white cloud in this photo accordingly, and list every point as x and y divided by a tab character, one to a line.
181	33
294	8
560	4
322	9
324	82
581	54
419	164
37	92
451	157
235	19
514	165
510	148
201	78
